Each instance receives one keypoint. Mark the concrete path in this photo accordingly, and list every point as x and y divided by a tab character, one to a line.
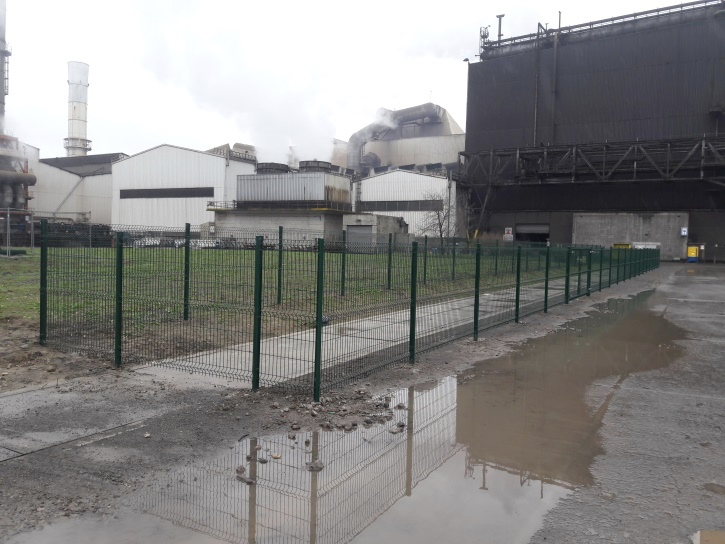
292	355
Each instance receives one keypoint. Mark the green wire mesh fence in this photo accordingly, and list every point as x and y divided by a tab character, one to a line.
290	308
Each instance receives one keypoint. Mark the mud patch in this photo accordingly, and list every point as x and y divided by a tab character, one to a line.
715	488
24	362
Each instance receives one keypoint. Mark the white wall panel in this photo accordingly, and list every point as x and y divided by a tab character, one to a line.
443	149
294	186
234	169
93	193
401	185
167	167
161	212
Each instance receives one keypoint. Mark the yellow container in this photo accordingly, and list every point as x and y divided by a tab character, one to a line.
693	253
622	245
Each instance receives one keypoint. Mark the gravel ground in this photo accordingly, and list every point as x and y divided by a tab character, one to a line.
82	439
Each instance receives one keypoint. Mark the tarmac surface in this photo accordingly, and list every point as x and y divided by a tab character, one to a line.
622	430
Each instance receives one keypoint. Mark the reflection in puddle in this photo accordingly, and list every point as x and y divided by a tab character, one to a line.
488	453
365	472
536	413
708	537
481	457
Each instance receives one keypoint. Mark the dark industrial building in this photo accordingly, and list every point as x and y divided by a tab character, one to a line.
604	132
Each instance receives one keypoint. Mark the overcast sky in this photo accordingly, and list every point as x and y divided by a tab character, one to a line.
271	73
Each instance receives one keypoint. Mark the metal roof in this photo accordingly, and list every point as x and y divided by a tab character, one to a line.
87	165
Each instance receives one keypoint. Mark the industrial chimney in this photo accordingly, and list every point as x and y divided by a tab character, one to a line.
76	143
5	53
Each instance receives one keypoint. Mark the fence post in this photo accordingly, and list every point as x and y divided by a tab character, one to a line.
453	268
318	315
280	257
589	273
257	338
568	272
7	245
635	262
601	265
578	272
43	281
425	259
518	281
187	269
390	259
495	264
609	276
413	299
546	279
118	337
619	257
477	291
343	264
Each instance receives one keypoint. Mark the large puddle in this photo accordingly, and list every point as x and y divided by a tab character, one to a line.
478	457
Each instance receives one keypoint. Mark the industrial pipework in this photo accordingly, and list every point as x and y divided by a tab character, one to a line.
77	144
14	176
387	120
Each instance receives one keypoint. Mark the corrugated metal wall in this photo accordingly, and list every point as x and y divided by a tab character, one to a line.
167	167
300	186
642	79
402	186
235	168
93	193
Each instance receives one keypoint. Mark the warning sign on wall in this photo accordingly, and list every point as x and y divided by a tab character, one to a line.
508	233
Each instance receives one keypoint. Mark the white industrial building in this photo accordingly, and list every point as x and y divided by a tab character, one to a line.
170	186
423	138
420	199
74	188
311	201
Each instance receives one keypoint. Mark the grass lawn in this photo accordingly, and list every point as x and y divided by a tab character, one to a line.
19	286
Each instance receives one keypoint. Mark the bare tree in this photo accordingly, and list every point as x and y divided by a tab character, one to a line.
440	221
448	217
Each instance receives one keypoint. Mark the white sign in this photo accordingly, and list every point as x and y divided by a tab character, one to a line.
683	231
508	231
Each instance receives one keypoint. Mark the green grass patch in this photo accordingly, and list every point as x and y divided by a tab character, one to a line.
19	286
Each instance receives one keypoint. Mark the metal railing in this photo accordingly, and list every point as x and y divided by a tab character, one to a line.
280	308
486	43
16	231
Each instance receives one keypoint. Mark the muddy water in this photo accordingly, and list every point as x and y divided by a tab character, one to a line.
480	457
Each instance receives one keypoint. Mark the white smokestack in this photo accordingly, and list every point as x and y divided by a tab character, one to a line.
76	143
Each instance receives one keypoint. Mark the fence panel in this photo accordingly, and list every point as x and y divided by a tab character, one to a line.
287	308
81	275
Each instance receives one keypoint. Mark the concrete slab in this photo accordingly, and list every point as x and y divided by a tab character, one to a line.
291	356
7	454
